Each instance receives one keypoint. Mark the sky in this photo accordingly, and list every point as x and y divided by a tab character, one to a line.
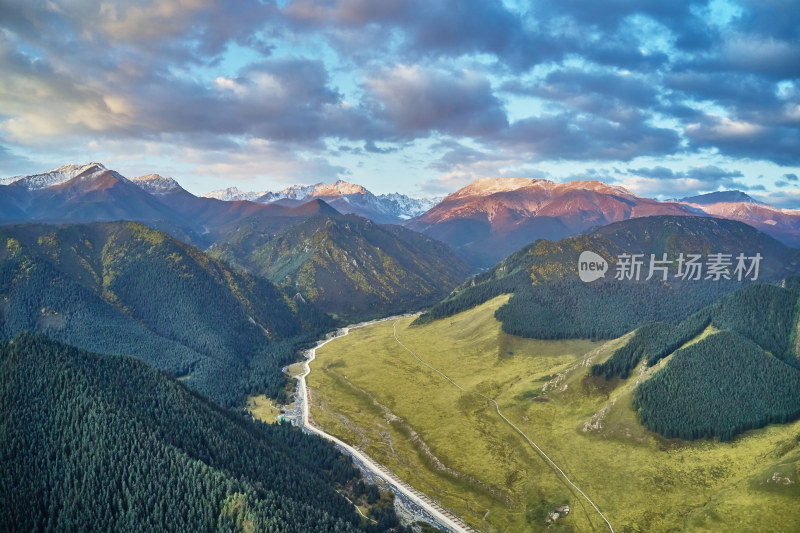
665	98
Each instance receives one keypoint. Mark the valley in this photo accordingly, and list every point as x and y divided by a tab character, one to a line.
414	502
523	399
348	266
372	393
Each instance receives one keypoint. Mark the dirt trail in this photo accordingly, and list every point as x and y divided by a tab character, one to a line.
492	400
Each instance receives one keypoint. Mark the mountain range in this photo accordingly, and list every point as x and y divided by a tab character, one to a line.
91	193
783	224
136	319
348	265
483	222
493	217
347	198
395	269
543	278
121	288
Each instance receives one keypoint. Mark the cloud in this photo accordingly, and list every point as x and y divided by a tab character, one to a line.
512	84
580	137
761	54
263	161
141	30
785	199
786	179
425	30
600	174
457	156
459	165
282	99
664	182
744	139
616	97
372	148
416	101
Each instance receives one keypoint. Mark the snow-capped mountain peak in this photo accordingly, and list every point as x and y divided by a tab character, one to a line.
345	197
338	188
56	176
595	186
407	207
233	194
156	184
487	186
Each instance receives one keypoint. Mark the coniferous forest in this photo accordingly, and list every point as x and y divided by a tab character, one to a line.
125	289
399	265
744	376
99	433
719	387
550	302
104	443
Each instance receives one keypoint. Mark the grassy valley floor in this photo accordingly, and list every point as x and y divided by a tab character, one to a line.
451	444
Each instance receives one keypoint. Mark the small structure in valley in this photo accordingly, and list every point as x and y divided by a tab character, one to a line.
560	511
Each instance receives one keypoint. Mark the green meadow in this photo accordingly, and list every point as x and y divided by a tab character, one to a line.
263	408
451	444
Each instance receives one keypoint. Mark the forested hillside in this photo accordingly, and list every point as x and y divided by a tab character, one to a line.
100	443
764	314
350	266
124	289
719	387
744	375
550	302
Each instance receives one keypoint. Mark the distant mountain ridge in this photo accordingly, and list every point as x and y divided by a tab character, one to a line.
55	177
233	194
348	265
355	266
484	221
156	184
93	193
551	302
720	197
492	217
345	197
125	289
783	224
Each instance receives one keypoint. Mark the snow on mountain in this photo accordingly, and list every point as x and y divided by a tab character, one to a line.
156	184
492	217
406	207
234	194
484	187
783	224
338	188
345	197
487	186
512	200
318	190
57	176
352	198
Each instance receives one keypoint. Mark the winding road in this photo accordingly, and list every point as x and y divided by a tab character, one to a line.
441	515
438	513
